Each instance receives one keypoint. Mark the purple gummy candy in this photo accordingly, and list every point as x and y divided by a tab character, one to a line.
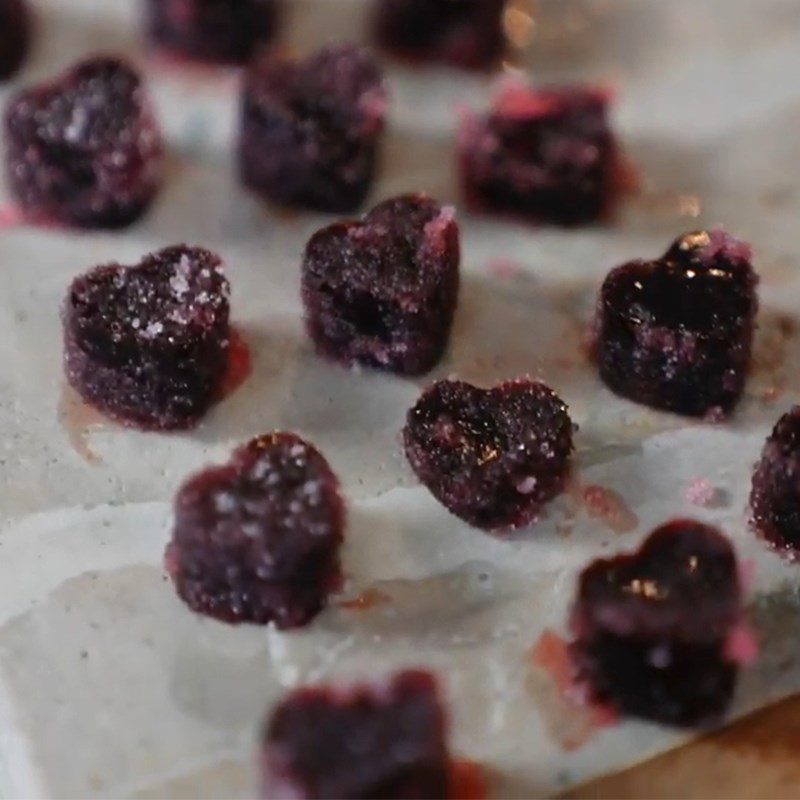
382	291
653	629
775	495
384	741
15	33
148	344
542	154
493	457
463	33
223	31
310	129
676	333
85	150
257	539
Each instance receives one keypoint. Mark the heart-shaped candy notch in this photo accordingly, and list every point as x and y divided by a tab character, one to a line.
15	32
382	291
148	344
85	149
310	129
257	539
676	333
493	457
655	630
775	494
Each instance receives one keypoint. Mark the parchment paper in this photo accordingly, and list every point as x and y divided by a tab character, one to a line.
109	686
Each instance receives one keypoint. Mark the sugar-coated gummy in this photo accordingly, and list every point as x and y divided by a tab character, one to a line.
494	456
310	129
85	149
541	154
15	33
464	33
382	291
257	539
148	344
676	333
226	31
775	493
651	627
363	741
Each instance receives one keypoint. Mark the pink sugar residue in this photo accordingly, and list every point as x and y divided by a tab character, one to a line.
741	646
570	715
10	216
504	268
747	574
700	492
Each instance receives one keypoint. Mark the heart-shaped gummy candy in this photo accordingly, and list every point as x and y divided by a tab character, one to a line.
382	291
491	456
653	629
85	149
676	333
148	344
257	539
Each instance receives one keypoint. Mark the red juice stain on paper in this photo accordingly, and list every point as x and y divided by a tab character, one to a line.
240	364
78	419
467	780
570	717
605	505
368	599
10	216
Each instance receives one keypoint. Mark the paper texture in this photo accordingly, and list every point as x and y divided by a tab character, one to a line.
109	686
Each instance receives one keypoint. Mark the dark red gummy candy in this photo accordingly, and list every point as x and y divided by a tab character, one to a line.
15	31
676	333
148	344
775	496
310	129
542	154
464	33
493	457
652	628
225	31
382	291
257	539
360	742
85	150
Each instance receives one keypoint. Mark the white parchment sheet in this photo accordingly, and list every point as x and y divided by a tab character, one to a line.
109	686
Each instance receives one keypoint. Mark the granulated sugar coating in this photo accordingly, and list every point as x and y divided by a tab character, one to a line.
363	741
310	129
85	149
148	344
382	291
468	33
676	333
257	539
493	457
543	154
15	32
652	629
212	30
775	496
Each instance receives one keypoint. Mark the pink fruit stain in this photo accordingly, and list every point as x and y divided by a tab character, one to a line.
368	599
701	492
78	419
741	646
571	718
240	364
504	268
467	780
11	216
605	505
